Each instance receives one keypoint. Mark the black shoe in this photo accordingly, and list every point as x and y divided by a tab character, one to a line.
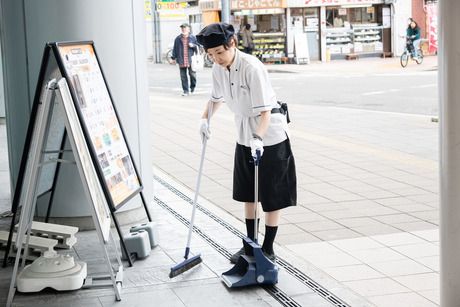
192	90
234	258
271	257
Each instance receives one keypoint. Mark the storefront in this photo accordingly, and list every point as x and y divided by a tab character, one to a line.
210	11
268	23
337	28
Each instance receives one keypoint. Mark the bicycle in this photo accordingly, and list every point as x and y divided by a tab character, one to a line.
207	58
409	52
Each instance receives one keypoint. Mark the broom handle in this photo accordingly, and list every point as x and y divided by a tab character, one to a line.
197	187
256	194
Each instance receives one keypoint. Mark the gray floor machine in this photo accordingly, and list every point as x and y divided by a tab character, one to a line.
253	268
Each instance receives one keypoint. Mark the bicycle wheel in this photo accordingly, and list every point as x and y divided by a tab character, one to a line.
404	59
419	59
169	57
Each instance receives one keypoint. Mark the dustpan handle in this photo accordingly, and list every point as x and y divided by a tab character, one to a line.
256	193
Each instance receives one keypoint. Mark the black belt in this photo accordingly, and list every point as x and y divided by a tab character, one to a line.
283	109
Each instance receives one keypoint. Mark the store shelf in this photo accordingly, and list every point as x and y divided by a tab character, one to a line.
367	39
269	46
339	41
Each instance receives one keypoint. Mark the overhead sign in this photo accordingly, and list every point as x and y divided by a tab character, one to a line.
257	4
315	3
210	5
164	5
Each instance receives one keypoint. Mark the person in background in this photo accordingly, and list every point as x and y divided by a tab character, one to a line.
241	81
248	39
413	33
184	47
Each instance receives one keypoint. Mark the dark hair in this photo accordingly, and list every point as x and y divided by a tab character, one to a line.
413	21
248	26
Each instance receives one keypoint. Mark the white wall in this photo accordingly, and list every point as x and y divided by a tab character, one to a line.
118	30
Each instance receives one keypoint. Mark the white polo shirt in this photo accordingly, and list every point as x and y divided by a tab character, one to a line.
247	91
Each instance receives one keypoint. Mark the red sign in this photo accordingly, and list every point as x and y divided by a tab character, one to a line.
432	18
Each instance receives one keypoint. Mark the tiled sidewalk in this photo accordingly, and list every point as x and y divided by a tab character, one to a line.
368	184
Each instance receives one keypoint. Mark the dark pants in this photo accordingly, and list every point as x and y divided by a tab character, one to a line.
184	79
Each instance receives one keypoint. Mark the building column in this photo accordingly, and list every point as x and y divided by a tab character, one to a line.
449	93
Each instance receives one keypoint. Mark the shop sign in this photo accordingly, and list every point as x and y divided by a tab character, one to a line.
164	5
314	3
432	16
210	5
259	12
257	4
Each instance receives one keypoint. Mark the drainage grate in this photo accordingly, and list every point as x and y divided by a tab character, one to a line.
299	275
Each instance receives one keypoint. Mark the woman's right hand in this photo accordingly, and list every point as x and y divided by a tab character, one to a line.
205	133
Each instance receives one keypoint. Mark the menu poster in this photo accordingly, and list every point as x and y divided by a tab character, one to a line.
100	120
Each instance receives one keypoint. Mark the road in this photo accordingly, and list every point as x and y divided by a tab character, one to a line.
371	84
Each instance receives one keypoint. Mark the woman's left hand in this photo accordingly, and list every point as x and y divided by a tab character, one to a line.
256	144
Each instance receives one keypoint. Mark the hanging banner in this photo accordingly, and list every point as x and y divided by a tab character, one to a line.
432	21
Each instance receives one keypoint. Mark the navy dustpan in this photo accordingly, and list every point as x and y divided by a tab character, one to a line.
251	270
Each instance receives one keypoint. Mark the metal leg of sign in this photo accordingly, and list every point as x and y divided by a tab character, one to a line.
29	191
10	238
56	176
131	258
145	206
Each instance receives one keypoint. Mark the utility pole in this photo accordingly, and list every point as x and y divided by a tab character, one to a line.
225	11
156	32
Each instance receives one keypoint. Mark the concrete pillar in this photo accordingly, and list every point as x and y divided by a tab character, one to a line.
449	93
118	30
2	93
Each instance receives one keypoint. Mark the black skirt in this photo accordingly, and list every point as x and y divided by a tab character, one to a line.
277	176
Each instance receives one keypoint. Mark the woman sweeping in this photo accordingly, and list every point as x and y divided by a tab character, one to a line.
241	82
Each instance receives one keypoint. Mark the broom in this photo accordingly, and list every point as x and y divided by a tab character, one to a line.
187	264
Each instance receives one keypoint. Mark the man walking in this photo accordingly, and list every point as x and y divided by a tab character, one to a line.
184	48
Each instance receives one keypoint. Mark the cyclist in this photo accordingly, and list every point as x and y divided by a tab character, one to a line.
413	37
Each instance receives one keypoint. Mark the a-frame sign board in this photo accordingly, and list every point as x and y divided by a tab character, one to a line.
72	101
116	171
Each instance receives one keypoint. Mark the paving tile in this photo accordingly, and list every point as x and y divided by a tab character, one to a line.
377	229
400	267
402	300
432	262
356	244
163	297
301	237
420	282
378	286
418	250
331	260
415	226
432	295
335	234
353	272
376	255
397	239
431	235
320	225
